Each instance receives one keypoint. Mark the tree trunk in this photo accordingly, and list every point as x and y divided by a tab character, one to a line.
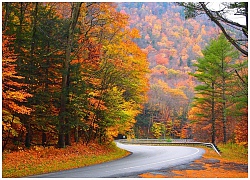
28	136
44	139
74	17
213	114
19	38
67	139
224	120
76	134
67	133
6	15
67	123
31	70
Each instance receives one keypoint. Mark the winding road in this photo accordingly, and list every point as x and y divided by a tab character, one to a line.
143	159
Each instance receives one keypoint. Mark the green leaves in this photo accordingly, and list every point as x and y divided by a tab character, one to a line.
214	96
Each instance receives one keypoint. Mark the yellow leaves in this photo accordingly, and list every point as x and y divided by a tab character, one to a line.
11	124
186	33
134	33
17	95
203	30
112	132
175	92
157	129
174	53
197	50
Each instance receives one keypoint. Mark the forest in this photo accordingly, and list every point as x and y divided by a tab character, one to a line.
85	71
198	79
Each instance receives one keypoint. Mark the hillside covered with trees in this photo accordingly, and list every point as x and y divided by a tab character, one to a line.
178	100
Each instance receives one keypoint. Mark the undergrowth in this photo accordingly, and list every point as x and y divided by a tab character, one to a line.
229	152
40	160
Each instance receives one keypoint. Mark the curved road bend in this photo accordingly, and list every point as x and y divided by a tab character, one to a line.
142	159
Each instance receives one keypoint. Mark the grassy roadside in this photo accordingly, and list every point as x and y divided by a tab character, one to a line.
44	160
230	153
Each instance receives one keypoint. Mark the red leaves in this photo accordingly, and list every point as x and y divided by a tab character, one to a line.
241	131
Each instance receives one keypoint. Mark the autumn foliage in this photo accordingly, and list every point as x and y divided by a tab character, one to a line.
83	72
13	93
38	160
174	44
71	73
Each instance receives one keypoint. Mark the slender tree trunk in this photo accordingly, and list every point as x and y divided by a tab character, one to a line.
224	122
44	139
33	42
28	135
31	69
6	15
19	38
224	119
67	122
74	18
67	139
76	134
46	88
213	114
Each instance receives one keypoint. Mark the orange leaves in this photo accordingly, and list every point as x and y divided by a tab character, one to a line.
241	131
11	92
161	59
173	92
134	33
97	104
197	50
44	160
94	51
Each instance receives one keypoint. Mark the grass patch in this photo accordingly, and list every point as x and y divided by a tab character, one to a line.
41	160
230	152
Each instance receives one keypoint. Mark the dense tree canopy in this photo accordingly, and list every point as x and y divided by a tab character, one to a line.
71	72
88	71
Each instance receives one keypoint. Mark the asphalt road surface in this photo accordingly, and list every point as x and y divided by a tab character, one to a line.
143	159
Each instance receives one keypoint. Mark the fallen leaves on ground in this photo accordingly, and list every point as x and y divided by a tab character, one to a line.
204	170
42	160
209	166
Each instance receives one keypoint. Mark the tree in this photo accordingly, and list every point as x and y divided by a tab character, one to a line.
79	62
226	54
14	94
214	70
65	76
157	129
224	23
105	68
